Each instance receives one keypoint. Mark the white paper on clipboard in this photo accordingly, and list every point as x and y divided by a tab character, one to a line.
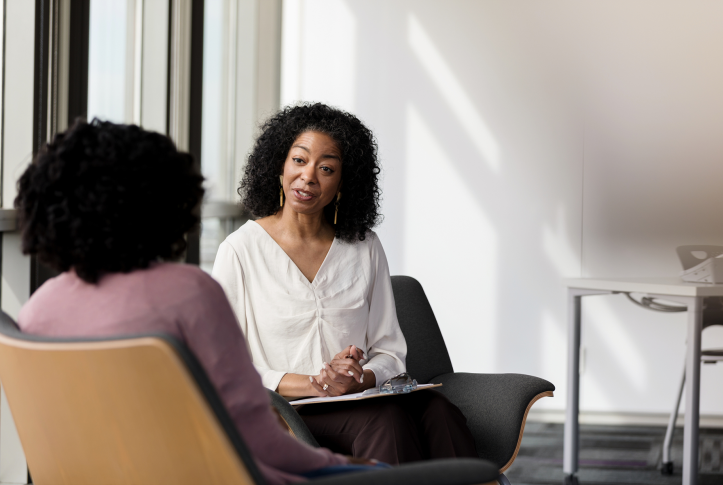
358	396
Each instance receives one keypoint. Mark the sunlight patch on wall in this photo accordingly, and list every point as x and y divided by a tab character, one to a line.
458	267
291	51
319	64
453	93
554	359
622	356
556	242
596	397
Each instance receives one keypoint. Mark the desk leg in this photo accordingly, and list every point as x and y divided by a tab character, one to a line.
572	429
692	392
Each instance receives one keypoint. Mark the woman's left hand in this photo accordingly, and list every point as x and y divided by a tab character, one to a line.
351	351
348	367
335	383
347	362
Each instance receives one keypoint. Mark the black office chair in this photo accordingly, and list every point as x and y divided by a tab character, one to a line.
495	405
140	409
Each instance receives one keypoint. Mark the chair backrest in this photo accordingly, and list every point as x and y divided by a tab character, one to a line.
125	410
694	254
427	355
712	311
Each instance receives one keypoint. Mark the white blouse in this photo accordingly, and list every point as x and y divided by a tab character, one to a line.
293	325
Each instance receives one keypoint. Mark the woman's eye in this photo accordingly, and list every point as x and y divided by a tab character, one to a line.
297	160
327	169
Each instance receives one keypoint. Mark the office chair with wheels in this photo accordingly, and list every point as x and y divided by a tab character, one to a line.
140	409
690	257
712	315
495	405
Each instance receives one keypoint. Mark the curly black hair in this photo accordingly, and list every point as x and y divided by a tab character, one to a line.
359	205
104	198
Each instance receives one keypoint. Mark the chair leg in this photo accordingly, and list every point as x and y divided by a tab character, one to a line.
502	480
667	465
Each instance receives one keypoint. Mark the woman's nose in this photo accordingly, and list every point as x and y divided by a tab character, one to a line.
308	174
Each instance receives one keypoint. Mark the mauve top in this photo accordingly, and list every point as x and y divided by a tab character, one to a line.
182	301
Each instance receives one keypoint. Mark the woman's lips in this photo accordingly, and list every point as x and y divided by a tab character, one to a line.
301	195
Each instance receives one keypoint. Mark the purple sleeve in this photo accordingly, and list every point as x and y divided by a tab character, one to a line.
209	329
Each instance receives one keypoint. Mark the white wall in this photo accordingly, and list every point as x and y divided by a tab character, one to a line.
653	162
524	142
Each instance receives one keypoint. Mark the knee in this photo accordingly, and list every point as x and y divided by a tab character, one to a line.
393	413
437	401
387	413
438	405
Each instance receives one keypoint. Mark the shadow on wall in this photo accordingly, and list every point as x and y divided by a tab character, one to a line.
483	114
468	192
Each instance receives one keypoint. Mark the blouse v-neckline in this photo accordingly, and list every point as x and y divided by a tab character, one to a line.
301	273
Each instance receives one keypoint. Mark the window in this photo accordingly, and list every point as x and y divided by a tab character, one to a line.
111	61
240	79
132	61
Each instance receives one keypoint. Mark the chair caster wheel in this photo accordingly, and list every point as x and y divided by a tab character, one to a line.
667	468
571	480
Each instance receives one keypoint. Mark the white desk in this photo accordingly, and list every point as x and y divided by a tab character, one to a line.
672	289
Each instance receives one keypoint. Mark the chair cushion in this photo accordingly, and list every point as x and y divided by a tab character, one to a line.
495	407
427	354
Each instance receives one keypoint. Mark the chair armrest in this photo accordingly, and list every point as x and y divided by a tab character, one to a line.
496	407
296	425
461	471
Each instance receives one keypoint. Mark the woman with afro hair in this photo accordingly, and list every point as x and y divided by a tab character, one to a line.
310	286
108	205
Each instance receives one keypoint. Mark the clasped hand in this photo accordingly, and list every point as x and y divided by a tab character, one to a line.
343	375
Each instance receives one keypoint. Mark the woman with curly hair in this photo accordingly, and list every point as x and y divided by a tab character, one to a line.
310	286
108	205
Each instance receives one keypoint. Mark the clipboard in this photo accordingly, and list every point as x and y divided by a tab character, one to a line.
358	396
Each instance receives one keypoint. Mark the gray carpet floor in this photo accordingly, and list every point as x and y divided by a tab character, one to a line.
612	455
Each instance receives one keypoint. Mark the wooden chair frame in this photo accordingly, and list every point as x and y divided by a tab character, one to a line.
114	412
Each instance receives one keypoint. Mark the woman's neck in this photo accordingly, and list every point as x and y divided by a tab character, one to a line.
301	226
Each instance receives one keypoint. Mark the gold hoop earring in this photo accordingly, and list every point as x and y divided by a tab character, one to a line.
336	206
281	193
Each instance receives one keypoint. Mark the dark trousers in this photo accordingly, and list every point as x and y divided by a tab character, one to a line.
394	429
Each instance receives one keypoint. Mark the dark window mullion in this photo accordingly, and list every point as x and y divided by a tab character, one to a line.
193	252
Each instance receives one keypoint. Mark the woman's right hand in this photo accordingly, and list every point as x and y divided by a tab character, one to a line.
317	386
335	383
299	385
344	375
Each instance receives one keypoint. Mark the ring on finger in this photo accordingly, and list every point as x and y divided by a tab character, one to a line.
326	386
